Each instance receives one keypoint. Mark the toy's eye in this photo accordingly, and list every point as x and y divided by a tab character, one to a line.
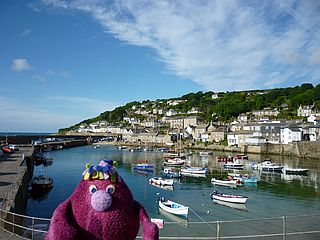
92	189
111	189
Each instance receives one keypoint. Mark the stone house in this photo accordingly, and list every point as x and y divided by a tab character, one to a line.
314	132
200	129
217	135
266	112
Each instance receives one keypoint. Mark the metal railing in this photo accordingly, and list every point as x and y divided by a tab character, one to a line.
280	228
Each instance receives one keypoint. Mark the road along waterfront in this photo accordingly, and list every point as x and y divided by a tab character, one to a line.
276	195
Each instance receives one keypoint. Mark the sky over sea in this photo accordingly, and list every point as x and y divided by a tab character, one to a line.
63	61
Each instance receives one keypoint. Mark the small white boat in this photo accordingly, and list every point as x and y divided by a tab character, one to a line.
195	175
194	170
97	146
122	147
259	166
297	171
233	165
275	168
173	207
225	182
228	197
160	181
206	153
174	162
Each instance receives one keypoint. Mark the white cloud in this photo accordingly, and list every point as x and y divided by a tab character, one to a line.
221	45
26	32
20	64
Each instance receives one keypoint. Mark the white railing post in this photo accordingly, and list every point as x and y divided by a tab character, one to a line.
32	227
284	230
218	230
13	223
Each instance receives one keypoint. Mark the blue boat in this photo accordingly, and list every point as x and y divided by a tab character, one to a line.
143	166
167	173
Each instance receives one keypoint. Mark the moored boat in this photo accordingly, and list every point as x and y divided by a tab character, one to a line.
174	162
266	165
242	157
233	165
173	207
168	173
297	171
41	185
143	166
228	197
225	182
194	170
206	153
244	178
122	147
160	181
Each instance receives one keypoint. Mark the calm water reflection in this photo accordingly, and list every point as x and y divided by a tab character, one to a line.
275	195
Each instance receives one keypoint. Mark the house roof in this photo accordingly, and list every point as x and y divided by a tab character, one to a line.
294	129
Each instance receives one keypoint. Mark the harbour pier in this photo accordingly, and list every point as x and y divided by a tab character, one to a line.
16	170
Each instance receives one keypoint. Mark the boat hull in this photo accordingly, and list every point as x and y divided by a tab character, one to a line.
176	208
228	183
161	181
229	198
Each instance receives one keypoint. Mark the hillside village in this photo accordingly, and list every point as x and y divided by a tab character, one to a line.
159	122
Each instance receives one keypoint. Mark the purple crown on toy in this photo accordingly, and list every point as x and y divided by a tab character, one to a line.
103	171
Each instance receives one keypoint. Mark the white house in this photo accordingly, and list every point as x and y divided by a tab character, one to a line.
243	118
216	96
304	111
131	120
255	140
205	137
193	110
238	138
171	113
312	119
290	134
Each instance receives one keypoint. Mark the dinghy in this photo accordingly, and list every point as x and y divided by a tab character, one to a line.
173	207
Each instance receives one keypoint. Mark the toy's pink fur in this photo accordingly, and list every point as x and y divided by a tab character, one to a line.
76	219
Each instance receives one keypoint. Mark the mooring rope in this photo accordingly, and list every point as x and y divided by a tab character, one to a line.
202	219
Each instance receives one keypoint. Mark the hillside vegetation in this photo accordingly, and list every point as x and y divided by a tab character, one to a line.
225	108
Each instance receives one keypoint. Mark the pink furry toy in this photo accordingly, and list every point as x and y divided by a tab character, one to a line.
101	207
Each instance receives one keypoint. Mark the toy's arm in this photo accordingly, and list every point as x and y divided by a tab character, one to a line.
150	230
63	225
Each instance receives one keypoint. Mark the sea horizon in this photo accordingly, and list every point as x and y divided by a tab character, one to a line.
24	133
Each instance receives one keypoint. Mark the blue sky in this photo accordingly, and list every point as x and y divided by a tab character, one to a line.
64	61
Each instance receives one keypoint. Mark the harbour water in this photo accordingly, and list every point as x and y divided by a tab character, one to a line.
276	194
